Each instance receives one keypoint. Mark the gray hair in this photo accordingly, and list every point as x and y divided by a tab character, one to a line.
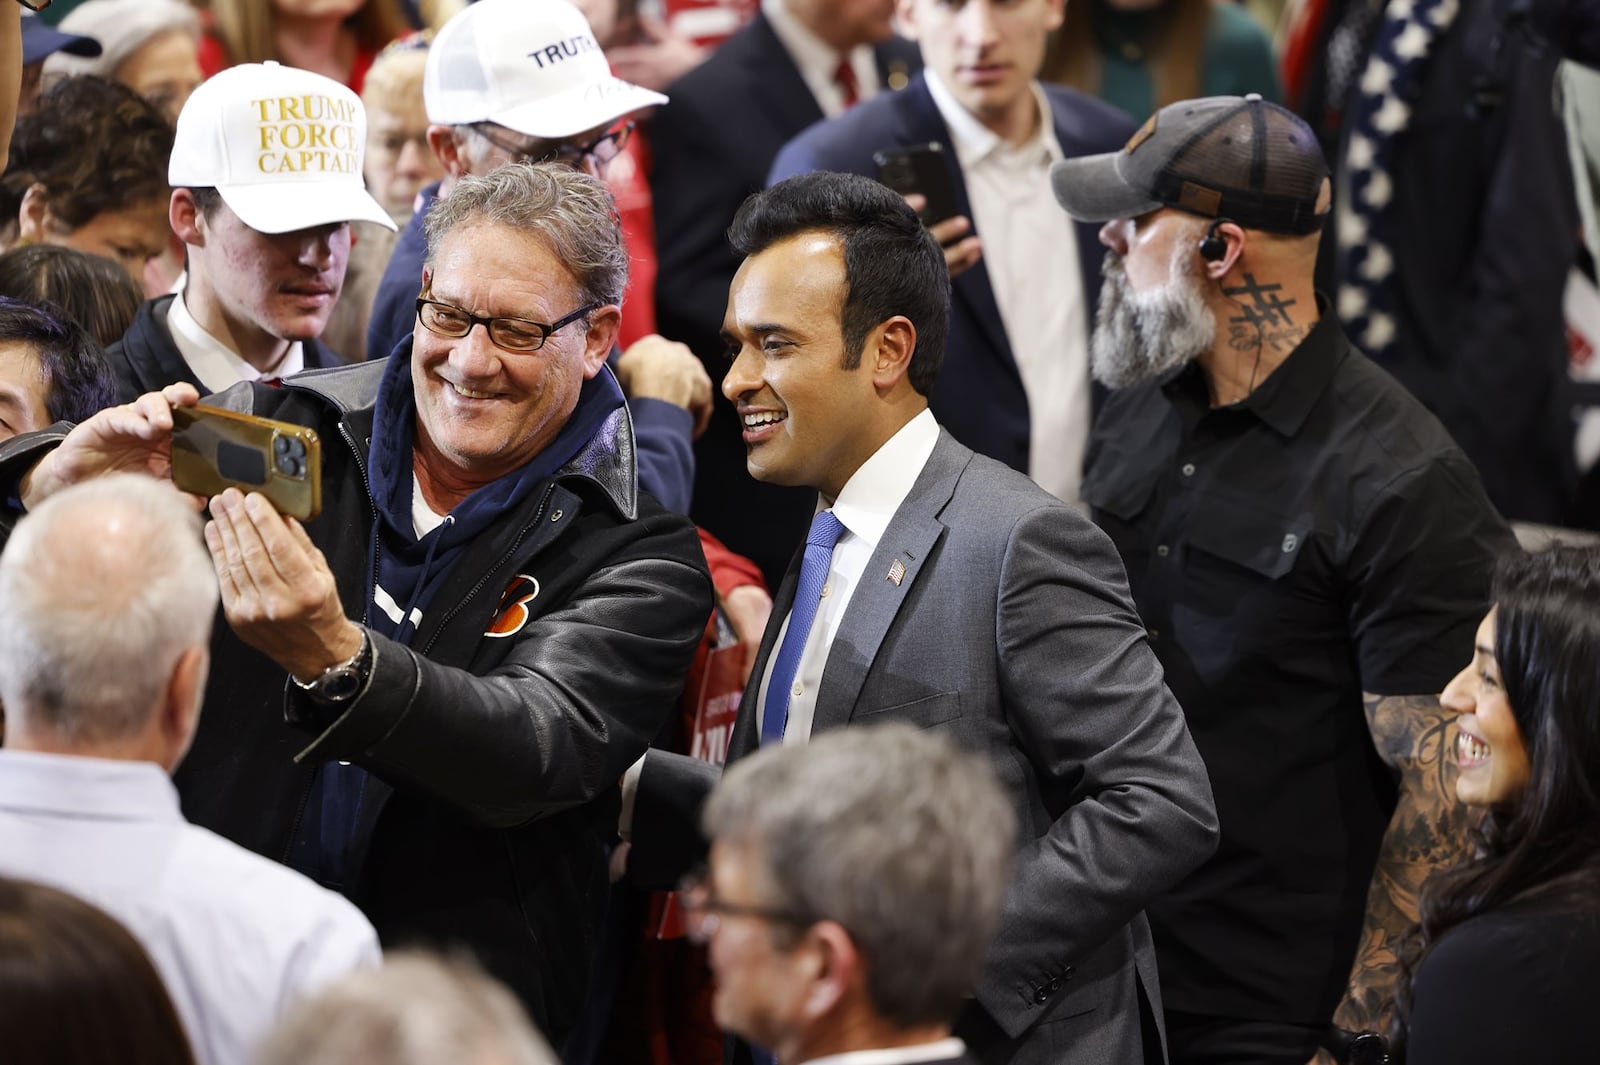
895	834
415	1010
102	589
572	213
122	27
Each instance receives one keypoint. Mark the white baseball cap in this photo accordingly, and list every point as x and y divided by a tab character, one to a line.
530	65
282	146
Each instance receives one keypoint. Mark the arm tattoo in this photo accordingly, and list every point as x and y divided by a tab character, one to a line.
1415	736
1265	320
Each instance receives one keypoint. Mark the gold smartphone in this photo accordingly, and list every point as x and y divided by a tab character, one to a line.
214	449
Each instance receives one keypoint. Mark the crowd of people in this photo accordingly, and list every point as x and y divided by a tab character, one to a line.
1059	607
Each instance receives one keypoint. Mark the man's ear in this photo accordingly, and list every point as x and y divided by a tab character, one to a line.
31	215
186	218
839	973
905	17
1234	238
180	707
890	347
1057	15
604	325
446	145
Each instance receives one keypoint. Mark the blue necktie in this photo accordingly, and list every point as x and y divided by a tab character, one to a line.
825	532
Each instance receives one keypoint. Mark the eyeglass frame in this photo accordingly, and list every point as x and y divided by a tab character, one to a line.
475	320
704	910
619	134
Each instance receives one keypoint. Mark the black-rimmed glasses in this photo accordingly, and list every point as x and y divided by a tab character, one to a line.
602	149
519	335
705	911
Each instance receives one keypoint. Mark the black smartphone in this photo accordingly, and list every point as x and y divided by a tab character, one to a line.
923	169
214	449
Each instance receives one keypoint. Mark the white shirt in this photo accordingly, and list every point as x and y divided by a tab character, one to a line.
1030	250
865	507
943	1050
236	937
213	362
817	60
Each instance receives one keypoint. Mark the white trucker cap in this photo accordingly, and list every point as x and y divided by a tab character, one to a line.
283	147
530	65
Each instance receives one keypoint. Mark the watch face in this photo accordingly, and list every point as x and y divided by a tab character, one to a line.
340	686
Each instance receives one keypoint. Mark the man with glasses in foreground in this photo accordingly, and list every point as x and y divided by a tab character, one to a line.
426	695
853	888
525	81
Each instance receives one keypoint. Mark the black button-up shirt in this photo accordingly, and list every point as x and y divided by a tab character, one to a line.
1321	538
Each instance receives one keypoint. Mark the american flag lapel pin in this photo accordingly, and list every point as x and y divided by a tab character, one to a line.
897	573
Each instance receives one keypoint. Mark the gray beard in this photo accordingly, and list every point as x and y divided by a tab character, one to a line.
1144	336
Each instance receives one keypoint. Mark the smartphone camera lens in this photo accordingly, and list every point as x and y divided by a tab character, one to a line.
289	456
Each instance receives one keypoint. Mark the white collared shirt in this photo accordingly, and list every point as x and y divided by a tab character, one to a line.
236	937
865	506
817	60
216	365
1030	250
942	1050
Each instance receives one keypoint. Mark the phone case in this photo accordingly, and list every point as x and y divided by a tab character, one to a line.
921	169
214	449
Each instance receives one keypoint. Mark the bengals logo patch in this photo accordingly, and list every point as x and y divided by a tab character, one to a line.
511	613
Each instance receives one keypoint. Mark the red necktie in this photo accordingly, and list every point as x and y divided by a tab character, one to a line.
844	76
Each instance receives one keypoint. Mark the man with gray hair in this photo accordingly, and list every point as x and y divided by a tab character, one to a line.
417	1010
427	694
108	598
853	888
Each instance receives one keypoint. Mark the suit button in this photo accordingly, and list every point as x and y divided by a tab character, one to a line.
1041	995
1067	973
1055	985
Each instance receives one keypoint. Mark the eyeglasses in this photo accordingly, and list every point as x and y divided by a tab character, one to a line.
602	149
705	911
513	334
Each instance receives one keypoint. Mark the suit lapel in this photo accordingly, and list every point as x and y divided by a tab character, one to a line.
908	543
921	123
776	84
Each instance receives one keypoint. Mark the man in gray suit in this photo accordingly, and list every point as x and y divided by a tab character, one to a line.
944	589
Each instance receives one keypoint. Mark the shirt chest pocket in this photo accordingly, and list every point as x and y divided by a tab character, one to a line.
1248	546
1245	590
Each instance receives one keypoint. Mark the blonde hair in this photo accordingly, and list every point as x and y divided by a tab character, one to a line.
245	27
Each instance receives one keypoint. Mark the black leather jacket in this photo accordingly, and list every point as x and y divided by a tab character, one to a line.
494	759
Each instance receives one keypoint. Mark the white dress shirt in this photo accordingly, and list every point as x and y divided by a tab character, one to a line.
942	1050
236	937
1030	250
865	507
817	60
213	362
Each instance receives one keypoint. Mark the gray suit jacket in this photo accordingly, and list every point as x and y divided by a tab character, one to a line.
1013	628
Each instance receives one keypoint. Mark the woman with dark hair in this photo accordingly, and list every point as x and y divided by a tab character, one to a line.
88	170
93	291
76	988
1504	965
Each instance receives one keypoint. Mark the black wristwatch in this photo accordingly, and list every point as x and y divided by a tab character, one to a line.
343	682
1356	1048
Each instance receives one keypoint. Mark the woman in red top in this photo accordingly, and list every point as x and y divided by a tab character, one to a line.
335	38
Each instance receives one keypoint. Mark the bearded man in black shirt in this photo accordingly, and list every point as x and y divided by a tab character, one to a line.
1310	552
